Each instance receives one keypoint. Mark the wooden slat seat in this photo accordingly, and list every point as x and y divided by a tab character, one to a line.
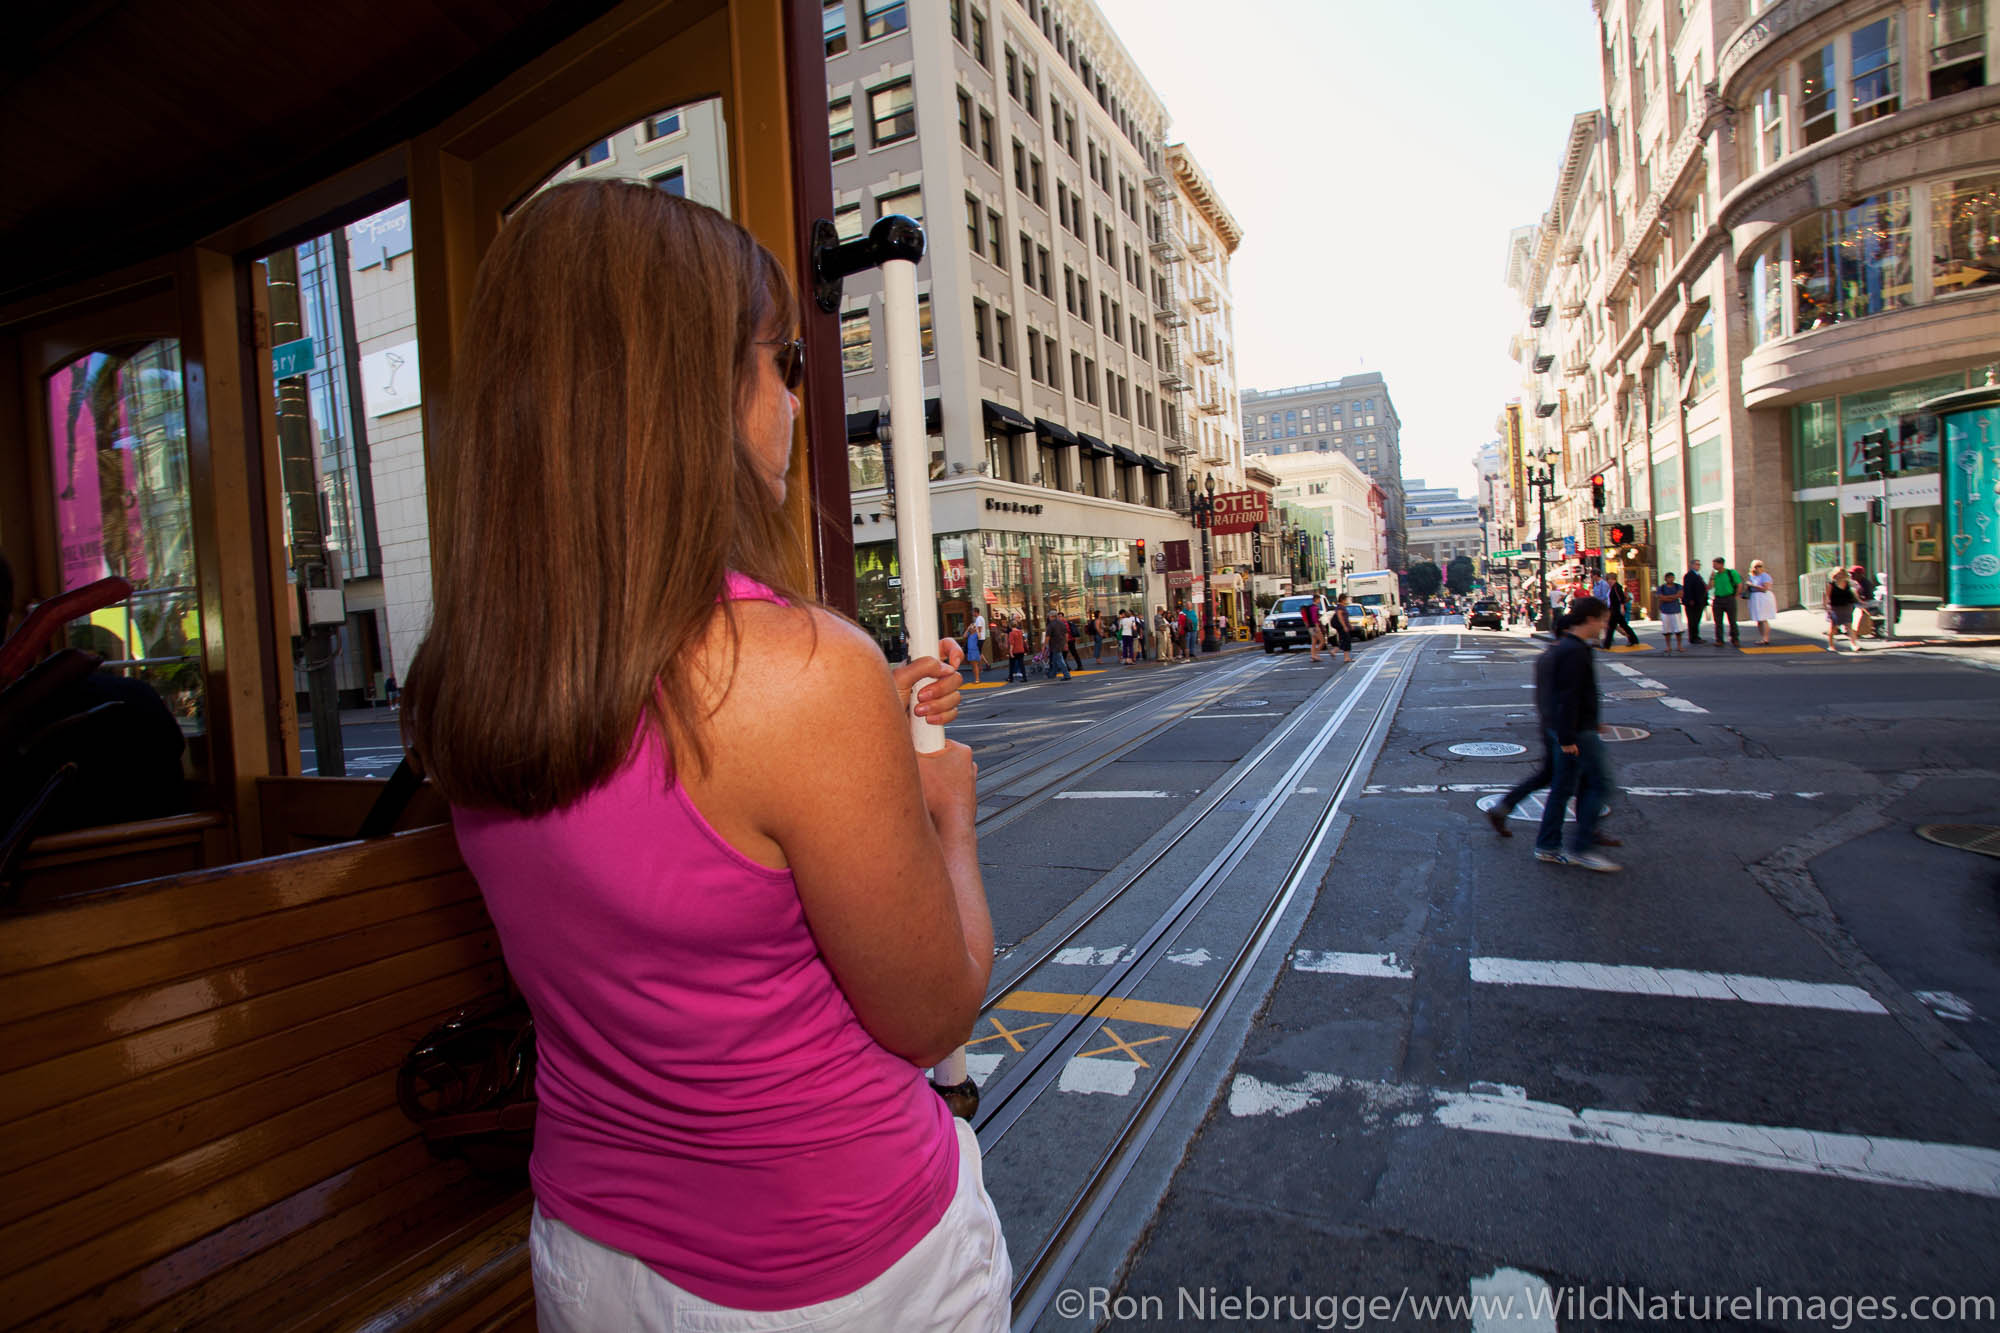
62	865
198	1117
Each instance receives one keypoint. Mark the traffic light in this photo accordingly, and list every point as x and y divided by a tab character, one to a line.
1142	554
1621	534
1877	512
1875	455
1597	492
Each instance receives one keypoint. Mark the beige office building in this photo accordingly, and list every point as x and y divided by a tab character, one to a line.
1783	234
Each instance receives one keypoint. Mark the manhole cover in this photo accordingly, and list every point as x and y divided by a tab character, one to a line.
1981	838
1636	694
1488	749
1529	811
1623	733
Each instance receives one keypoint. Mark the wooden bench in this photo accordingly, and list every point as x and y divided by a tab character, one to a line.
198	1116
62	865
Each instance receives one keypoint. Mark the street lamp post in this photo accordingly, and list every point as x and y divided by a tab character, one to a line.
1542	479
1346	568
1202	502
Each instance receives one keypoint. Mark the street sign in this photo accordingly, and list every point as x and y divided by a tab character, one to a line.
292	358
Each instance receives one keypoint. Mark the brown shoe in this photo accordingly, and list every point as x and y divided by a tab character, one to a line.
1499	823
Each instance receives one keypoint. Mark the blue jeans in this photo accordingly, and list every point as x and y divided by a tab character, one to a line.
1058	661
1585	775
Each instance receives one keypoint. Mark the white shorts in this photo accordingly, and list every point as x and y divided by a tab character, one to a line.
1673	622
956	1278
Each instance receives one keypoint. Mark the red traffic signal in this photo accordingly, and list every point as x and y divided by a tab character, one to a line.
1597	492
1621	534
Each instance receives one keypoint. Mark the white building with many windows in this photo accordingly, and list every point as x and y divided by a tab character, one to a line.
1032	148
1329	484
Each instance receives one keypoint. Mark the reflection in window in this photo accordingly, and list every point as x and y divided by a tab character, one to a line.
857	347
659	127
864	464
1874	83
924	333
1770	126
683	150
879	18
1965	234
840	128
833	23
893	112
1819	115
847	222
1767	294
118	459
673	181
909	203
596	153
1958	46
1704	356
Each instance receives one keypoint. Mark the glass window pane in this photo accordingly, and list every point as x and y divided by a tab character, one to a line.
894	112
1883	409
857	348
1705	536
833	23
1965	234
1873	82
118	454
1767	294
1818	113
1705	473
840	128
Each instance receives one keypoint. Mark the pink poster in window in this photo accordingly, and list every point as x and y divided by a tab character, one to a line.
92	461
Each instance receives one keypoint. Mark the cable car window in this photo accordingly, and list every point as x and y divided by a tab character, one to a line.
683	150
117	430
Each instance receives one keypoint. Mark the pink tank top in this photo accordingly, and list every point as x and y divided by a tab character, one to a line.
709	1102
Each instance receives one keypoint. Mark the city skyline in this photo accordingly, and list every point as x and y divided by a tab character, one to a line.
1466	155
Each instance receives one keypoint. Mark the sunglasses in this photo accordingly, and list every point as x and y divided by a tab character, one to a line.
791	359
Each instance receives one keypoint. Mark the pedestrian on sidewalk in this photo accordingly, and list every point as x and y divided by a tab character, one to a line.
1566	698
975	645
1763	604
1017	654
1096	629
1125	638
1058	638
1163	635
1193	615
1723	583
1619	603
1670	596
1841	602
1184	633
1694	599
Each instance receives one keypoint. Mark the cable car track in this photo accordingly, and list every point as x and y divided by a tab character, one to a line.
1037	1282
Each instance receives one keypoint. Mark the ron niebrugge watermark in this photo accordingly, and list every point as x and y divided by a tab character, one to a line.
1536	1306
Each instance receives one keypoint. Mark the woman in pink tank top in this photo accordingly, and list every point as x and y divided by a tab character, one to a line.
744	933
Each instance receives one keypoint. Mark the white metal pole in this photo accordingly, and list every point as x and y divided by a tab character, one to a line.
909	451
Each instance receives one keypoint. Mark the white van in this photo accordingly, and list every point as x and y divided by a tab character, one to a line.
1381	592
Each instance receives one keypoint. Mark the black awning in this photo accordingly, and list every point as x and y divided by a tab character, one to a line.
1152	464
863	425
1092	445
1006	418
1055	434
1129	457
933	416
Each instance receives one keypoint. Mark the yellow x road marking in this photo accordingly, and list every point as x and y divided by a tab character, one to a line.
1004	1033
1118	1043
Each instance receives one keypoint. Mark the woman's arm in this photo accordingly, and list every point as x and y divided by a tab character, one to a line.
812	752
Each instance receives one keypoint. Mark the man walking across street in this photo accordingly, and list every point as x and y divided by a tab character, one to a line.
1618	602
1694	599
1723	583
1566	698
1017	653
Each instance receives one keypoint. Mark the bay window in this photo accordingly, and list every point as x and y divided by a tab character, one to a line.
1965	234
1874	82
1819	111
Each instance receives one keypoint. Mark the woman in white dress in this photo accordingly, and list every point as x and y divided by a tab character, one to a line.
1763	605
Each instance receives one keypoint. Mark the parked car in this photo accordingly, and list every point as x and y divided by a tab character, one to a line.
1483	615
1285	624
1365	622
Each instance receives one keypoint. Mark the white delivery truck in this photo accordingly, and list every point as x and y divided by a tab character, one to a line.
1381	592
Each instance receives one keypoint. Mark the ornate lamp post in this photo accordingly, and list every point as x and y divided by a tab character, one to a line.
1542	480
1202	502
1346	568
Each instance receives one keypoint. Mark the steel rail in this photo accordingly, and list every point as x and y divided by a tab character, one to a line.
1003	1105
1036	1286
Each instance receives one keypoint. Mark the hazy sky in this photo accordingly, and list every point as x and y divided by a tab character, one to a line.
1376	154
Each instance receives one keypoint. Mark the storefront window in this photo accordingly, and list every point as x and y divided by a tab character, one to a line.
1705	537
1667	487
1883	409
1705	473
865	466
1965	234
1704	355
1767	293
1818	441
1820	545
1813	304
1667	544
118	459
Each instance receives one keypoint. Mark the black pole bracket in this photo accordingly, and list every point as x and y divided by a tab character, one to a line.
834	260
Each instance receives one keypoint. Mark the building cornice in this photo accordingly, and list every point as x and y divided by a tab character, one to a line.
1099	41
1739	60
1942	119
1201	192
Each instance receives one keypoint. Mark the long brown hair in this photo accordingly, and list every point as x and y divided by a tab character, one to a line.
592	489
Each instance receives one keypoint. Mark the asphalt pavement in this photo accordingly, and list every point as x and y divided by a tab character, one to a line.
1749	1082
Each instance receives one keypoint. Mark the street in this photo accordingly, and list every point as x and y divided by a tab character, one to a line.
1761	1059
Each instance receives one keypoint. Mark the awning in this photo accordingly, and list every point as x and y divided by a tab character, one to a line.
1092	445
1129	457
1152	464
933	416
1006	418
863	425
1058	435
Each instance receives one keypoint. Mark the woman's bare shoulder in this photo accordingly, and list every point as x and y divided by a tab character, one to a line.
789	659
